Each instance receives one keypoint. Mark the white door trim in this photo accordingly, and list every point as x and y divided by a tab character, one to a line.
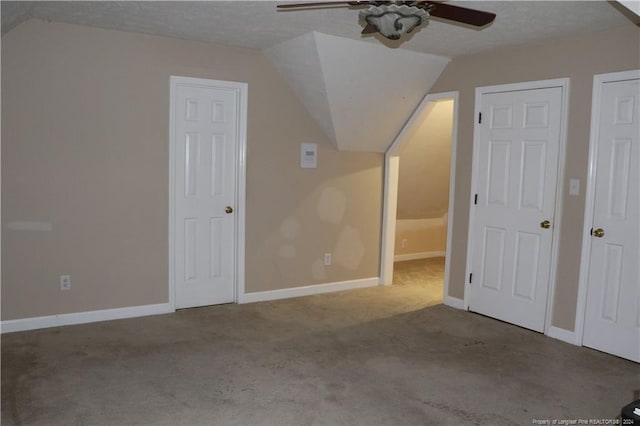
598	81
240	193
390	197
563	83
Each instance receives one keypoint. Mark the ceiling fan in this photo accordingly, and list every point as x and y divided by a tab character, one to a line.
393	19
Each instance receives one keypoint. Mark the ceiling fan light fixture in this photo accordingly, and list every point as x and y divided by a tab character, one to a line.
394	21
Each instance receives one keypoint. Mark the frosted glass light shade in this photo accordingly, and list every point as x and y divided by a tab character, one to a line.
393	21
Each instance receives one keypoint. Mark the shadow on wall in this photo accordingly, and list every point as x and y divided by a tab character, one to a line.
423	185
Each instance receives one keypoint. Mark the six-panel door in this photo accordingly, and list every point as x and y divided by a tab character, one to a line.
205	140
612	319
517	176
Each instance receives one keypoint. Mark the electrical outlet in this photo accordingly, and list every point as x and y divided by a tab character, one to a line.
65	282
327	259
405	243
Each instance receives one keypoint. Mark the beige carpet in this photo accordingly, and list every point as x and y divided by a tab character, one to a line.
424	276
375	356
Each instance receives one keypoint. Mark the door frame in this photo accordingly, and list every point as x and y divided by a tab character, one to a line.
240	178
590	187
563	84
390	194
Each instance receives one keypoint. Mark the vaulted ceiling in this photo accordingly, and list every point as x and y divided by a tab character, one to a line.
332	77
340	76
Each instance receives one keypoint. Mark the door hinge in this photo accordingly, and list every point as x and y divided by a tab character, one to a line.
470	278
479	118
475	199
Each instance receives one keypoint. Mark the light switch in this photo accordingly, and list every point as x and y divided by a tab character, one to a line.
574	186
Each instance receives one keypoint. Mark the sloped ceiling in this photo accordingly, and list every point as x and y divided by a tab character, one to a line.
359	93
360	89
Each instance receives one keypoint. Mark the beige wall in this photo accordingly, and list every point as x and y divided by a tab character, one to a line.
423	178
423	181
579	58
422	236
85	149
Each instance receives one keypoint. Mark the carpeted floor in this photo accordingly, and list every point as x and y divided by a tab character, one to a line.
376	356
423	276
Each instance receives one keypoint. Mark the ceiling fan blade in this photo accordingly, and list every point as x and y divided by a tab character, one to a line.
322	3
473	17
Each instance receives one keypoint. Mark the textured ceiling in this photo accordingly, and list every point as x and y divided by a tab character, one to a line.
326	72
259	25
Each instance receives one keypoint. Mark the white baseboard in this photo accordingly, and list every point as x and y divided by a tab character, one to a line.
453	302
564	335
421	255
309	290
34	323
421	224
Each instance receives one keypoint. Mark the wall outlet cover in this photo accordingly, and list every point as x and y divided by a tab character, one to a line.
65	282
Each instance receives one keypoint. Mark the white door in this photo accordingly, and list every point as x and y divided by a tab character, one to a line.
517	165
205	124
612	315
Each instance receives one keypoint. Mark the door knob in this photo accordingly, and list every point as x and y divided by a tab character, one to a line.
598	233
545	224
228	210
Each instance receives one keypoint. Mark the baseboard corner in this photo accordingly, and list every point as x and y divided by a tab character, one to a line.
562	334
453	302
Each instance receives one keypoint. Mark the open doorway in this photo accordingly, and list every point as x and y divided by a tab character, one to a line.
419	182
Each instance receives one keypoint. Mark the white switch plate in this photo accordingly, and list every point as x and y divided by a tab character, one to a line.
327	259
574	186
308	155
